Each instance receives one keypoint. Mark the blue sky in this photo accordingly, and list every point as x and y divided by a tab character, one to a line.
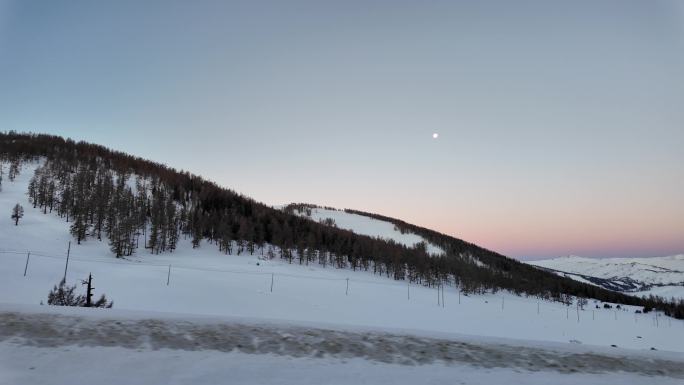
561	123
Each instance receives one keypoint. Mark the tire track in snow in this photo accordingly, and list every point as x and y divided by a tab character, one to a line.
51	330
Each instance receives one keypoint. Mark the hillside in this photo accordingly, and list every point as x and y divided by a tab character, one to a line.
661	276
233	308
204	281
139	208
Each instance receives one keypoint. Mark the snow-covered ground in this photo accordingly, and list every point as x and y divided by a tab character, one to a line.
372	227
118	366
663	276
41	344
204	282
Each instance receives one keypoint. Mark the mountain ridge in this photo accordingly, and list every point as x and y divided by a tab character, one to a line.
662	276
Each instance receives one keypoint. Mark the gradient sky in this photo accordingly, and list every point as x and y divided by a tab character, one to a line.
561	122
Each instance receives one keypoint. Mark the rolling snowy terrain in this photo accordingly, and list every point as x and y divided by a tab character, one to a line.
321	321
662	276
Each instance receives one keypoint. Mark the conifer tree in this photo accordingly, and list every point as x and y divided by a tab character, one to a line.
17	213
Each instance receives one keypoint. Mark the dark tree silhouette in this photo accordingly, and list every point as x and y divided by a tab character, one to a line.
17	213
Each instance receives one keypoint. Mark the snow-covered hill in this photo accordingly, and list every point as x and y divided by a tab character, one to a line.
372	227
196	284
205	281
663	276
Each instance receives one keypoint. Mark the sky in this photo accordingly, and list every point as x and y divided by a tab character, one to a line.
561	124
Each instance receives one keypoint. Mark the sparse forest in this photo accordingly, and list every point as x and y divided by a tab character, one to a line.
139	206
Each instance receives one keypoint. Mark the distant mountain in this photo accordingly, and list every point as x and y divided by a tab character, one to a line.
662	276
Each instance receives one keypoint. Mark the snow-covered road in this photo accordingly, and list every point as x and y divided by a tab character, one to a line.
53	330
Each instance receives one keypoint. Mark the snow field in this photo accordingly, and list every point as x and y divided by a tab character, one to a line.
371	227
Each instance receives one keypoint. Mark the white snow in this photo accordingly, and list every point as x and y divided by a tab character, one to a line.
666	274
363	225
116	346
204	281
116	366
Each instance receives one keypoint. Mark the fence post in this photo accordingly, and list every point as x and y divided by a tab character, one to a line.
537	307
443	305
168	276
347	291
408	290
27	261
271	282
67	261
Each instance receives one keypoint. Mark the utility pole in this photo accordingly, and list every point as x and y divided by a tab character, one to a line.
67	261
27	261
168	276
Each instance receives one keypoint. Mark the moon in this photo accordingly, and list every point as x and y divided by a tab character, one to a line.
435	135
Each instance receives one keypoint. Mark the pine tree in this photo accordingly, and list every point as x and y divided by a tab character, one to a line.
17	213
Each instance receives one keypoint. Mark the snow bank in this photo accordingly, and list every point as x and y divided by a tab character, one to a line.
53	329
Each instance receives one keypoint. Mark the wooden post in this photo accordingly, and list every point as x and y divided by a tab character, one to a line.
27	261
502	303
438	303
592	315
168	276
443	296
347	291
67	261
577	312
459	296
408	290
271	282
537	307
89	291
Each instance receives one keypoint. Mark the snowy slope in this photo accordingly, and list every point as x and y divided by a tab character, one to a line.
658	275
372	227
205	282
